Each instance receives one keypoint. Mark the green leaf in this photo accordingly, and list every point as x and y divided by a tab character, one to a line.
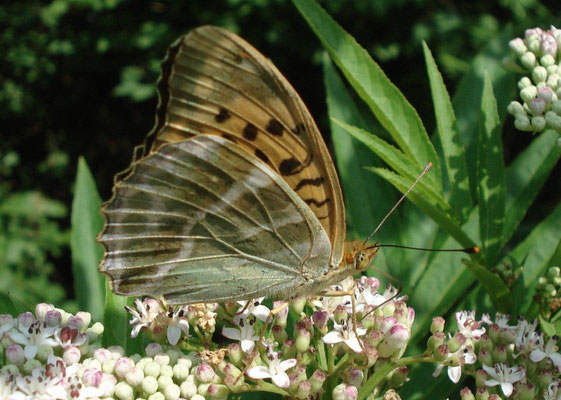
535	254
87	222
9	305
361	187
387	103
421	201
397	160
467	99
526	176
493	284
116	322
452	147
490	177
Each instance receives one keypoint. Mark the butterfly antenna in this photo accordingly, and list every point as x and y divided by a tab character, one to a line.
468	250
427	168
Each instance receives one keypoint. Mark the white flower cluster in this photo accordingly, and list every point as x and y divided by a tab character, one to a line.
539	53
353	333
517	359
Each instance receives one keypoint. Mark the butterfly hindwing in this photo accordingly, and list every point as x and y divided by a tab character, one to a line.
213	82
203	220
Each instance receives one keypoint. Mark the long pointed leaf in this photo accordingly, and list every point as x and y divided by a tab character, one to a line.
452	147
526	176
493	284
467	99
86	252
389	105
420	200
491	177
395	159
535	254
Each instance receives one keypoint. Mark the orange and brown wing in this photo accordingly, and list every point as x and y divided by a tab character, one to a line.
214	82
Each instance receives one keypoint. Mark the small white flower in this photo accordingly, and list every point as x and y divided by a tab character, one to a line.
252	307
455	371
70	336
552	391
39	386
7	384
176	322
549	351
33	336
345	333
275	370
468	325
245	334
505	376
526	336
144	315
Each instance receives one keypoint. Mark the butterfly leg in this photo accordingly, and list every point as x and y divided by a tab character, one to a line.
255	351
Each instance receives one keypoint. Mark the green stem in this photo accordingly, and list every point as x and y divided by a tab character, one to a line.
262	386
415	359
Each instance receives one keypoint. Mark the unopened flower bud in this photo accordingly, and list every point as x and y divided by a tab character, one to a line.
163	382
547	60
43	353
528	60
218	391
320	318
92	377
202	389
123	391
544	379
436	340
25	320
399	377
86	318
538	124
180	372
152	369
303	390
235	353
188	389
279	333
354	376
437	324
15	355
122	366
546	94
524	82
152	349
158	396
134	376
548	45
71	355
344	392
466	394
233	383
526	391
282	315
42	309
172	392
539	74
528	93
108	366
482	393
303	338
317	379
499	354
484	357
107	385
297	305
441	352
553	120
288	349
457	341
30	365
517	46
340	314
205	373
522	123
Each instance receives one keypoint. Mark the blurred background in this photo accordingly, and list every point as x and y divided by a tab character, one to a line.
77	78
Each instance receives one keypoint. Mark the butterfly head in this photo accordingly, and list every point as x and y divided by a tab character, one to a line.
359	254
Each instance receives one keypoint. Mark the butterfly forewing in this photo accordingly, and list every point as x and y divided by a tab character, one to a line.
203	220
213	82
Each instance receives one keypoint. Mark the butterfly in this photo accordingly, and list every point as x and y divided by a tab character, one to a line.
234	195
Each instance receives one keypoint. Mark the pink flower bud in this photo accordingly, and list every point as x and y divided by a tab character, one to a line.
387	323
15	355
205	373
71	355
545	93
42	309
122	366
437	324
76	322
102	355
92	377
152	349
549	44
320	318
53	318
25	320
107	385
